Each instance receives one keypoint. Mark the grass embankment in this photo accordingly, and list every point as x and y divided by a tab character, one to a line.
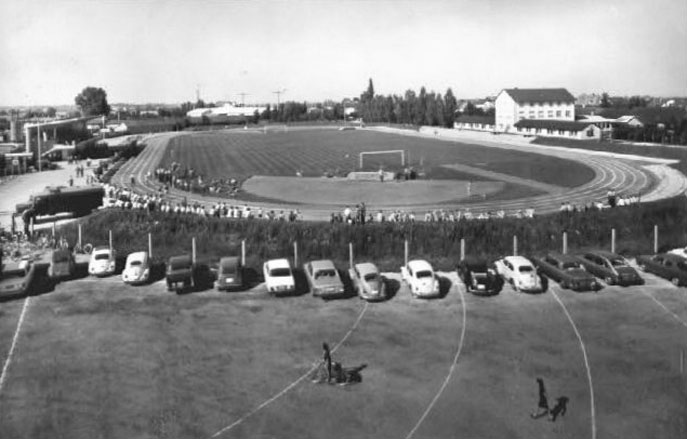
384	243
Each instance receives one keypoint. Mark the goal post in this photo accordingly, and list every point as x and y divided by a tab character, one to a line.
393	151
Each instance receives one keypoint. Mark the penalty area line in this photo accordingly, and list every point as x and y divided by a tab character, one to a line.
8	360
450	371
586	360
659	303
294	383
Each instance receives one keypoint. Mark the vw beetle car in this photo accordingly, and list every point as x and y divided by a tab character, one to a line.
368	282
480	278
519	272
278	277
324	279
137	268
419	275
567	271
666	265
102	262
229	274
612	268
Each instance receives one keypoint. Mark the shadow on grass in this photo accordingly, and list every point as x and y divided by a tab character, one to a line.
444	286
392	287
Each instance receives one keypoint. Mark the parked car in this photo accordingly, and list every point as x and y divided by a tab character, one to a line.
279	276
180	273
229	273
612	268
323	279
680	251
420	277
520	273
16	278
666	265
568	271
480	277
62	265
137	268
102	262
368	282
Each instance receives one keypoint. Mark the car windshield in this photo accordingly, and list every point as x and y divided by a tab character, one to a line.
180	265
101	256
618	262
525	269
60	257
136	263
423	273
325	273
570	265
371	276
280	272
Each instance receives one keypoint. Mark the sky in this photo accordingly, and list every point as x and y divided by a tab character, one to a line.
143	51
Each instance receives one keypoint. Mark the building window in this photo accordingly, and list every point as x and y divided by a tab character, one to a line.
590	132
567	113
540	114
550	113
558	113
531	114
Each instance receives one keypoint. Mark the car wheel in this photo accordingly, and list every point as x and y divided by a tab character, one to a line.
565	285
675	281
609	280
642	267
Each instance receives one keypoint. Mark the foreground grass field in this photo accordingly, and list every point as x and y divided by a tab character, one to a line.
100	359
314	152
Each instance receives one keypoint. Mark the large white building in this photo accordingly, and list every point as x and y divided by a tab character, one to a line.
515	104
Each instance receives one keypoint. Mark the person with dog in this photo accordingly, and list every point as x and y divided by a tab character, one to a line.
559	409
327	359
543	406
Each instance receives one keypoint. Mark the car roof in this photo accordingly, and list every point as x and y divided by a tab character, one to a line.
229	261
366	268
278	263
604	254
61	252
185	259
101	249
137	256
473	263
518	260
673	256
322	264
419	264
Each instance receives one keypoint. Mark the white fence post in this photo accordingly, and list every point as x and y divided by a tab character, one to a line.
150	245
655	238
243	252
515	245
193	249
79	239
350	255
295	253
565	243
109	235
612	240
462	249
405	252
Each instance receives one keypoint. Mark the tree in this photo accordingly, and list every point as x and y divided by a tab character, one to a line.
450	106
369	94
92	101
605	100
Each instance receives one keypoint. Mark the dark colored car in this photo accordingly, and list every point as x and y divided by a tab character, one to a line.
666	265
180	273
62	265
229	274
479	277
567	271
610	267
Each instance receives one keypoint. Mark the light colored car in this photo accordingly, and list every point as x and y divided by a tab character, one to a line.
367	281
521	273
681	251
137	268
278	276
62	265
419	275
324	279
102	262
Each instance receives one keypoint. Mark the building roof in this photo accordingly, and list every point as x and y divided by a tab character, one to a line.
552	124
540	95
488	120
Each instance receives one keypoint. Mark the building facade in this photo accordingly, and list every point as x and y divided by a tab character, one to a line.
515	104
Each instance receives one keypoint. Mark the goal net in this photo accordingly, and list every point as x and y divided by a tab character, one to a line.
375	159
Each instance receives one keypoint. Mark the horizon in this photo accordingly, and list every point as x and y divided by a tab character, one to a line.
161	52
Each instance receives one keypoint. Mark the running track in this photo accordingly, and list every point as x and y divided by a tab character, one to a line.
611	173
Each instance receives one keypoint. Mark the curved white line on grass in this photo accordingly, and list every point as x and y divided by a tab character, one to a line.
450	371
294	383
665	308
586	361
8	361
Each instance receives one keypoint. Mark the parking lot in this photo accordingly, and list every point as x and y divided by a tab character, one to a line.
97	357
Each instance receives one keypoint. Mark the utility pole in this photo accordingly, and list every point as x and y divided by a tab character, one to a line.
243	95
279	93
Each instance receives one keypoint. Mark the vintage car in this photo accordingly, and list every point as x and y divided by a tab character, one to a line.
324	279
480	277
666	265
137	268
567	271
680	251
419	275
368	282
278	276
229	273
62	265
16	278
102	261
520	273
180	273
612	268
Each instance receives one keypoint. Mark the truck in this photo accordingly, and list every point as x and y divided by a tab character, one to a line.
79	201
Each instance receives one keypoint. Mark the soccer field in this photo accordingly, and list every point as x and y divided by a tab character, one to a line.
97	358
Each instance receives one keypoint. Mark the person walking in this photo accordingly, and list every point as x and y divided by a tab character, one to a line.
327	358
543	406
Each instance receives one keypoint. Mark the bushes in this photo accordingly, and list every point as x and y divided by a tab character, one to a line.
384	243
